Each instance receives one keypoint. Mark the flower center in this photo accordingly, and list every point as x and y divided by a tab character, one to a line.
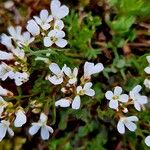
53	39
115	97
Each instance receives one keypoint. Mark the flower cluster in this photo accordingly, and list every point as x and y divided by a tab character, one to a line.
121	102
50	26
68	79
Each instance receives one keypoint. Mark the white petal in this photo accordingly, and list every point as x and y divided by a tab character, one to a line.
76	103
3	130
133	118
147	70
121	127
47	42
148	59
55	80
50	129
79	88
58	25
87	85
123	98
90	92
34	129
97	68
33	28
142	100
44	133
117	90
6	56
130	125
109	95
21	119
147	141
43	118
63	103
54	68
137	106
61	43
137	89
44	15
113	104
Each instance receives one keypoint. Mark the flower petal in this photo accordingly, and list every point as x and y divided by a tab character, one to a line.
147	140
47	42
76	103
117	90
130	125
63	102
34	129
113	104
121	127
44	133
109	95
147	70
123	98
61	43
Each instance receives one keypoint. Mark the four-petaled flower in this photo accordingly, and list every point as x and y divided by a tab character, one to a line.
45	129
56	37
138	99
128	122
116	97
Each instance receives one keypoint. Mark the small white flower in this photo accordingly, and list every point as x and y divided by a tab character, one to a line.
147	141
128	122
58	11
86	90
4	127
57	78
147	83
45	129
7	41
64	102
25	39
44	19
15	32
90	68
58	25
55	37
5	92
6	56
116	97
71	74
20	119
5	71
33	27
20	78
147	69
3	105
138	99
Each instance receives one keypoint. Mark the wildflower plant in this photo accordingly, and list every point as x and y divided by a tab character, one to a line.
59	87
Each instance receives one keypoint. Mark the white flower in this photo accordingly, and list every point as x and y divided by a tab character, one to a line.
33	27
3	105
44	19
147	69
137	98
72	75
128	122
25	39
64	102
20	119
57	78
6	56
5	71
58	11
58	25
116	97
5	92
20	78
4	127
56	37
147	83
45	129
15	32
90	68
7	41
86	90
147	140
